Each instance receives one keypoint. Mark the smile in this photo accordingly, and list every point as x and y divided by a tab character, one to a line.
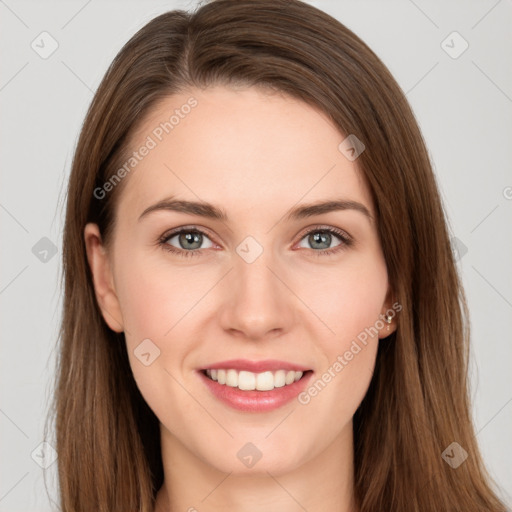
255	386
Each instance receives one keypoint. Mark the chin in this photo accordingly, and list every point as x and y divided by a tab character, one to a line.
253	458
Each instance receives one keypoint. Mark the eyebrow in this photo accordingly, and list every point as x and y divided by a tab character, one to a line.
208	210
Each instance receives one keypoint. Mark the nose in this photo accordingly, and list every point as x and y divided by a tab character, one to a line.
258	303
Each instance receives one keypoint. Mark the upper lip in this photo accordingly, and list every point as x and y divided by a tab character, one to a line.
256	366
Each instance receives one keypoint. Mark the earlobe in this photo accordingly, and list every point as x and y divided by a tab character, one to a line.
103	281
387	322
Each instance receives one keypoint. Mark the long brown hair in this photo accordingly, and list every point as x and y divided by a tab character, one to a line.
417	403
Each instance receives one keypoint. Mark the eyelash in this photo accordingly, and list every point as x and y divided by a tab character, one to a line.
346	241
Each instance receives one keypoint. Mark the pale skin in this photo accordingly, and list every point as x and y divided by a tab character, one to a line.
256	156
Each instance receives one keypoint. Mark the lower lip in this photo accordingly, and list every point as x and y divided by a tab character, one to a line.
256	401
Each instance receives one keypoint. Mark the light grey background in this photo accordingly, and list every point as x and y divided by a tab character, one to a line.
463	105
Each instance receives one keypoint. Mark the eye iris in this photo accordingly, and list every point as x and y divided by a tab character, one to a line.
320	237
192	238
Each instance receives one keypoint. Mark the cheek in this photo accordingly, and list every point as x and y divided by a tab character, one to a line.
155	295
349	303
333	396
348	297
154	302
160	305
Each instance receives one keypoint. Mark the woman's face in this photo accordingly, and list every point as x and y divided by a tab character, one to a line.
264	284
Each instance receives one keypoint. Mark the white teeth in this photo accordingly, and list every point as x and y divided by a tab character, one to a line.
232	378
248	381
279	379
264	381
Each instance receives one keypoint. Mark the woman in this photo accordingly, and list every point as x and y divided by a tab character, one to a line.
300	343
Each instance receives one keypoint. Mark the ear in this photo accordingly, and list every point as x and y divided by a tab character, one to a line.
388	316
103	280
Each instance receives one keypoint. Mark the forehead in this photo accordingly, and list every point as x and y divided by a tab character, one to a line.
245	148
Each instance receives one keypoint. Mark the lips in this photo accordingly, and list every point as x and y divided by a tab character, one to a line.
255	386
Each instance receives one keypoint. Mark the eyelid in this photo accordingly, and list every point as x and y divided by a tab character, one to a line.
324	227
190	227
